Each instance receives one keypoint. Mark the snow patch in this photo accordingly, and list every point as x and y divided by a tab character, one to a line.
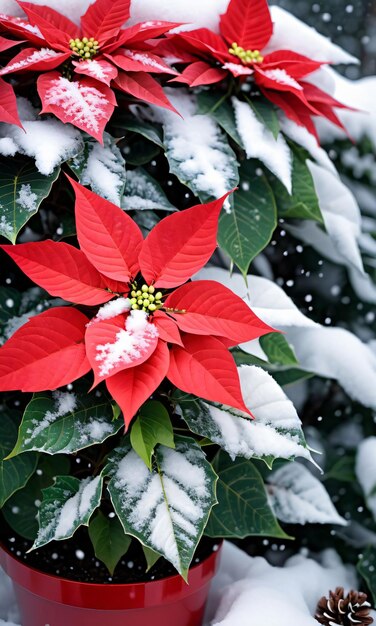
39	55
281	76
259	143
130	344
65	402
26	198
113	308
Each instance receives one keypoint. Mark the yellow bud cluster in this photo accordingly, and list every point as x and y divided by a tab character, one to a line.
145	299
85	48
246	56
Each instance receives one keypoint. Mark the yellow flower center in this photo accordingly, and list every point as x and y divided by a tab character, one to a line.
146	299
85	48
247	57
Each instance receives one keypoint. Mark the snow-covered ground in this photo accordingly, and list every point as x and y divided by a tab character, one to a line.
249	591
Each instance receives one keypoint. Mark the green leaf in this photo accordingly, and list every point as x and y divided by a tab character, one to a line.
248	227
67	505
14	473
151	557
291	376
66	422
151	131
303	202
143	192
242	508
22	189
276	431
152	426
146	220
140	151
167	508
221	111
278	350
109	540
244	358
266	114
101	167
343	469
16	308
21	510
367	569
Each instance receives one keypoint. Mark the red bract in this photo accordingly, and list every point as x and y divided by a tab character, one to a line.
245	30
153	323
92	59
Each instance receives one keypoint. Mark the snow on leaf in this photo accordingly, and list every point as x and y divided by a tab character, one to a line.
86	104
65	421
30	59
342	221
259	143
196	148
142	192
297	497
166	509
365	469
274	433
304	138
101	167
67	505
47	141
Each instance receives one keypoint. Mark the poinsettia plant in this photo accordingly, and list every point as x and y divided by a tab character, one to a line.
240	50
80	67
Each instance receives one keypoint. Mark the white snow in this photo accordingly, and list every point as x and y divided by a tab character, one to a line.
65	402
195	12
84	105
166	506
103	169
359	94
38	55
48	141
130	343
303	137
290	33
259	143
72	9
113	308
142	193
26	198
244	586
196	143
276	429
365	470
298	497
63	520
281	76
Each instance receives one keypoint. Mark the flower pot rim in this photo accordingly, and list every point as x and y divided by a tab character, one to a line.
117	595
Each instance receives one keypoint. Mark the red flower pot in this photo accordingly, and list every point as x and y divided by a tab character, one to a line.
46	600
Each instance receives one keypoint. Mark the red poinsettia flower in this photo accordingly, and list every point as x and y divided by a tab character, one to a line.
152	322
80	65
245	30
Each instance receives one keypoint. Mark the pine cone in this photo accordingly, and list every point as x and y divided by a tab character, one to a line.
341	610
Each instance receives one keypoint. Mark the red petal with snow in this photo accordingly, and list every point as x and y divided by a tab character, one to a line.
180	245
31	60
140	61
100	70
55	27
6	44
205	368
62	270
295	64
167	328
132	387
104	18
110	348
21	28
46	353
213	309
8	104
86	104
249	24
237	69
140	32
200	73
144	87
110	239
